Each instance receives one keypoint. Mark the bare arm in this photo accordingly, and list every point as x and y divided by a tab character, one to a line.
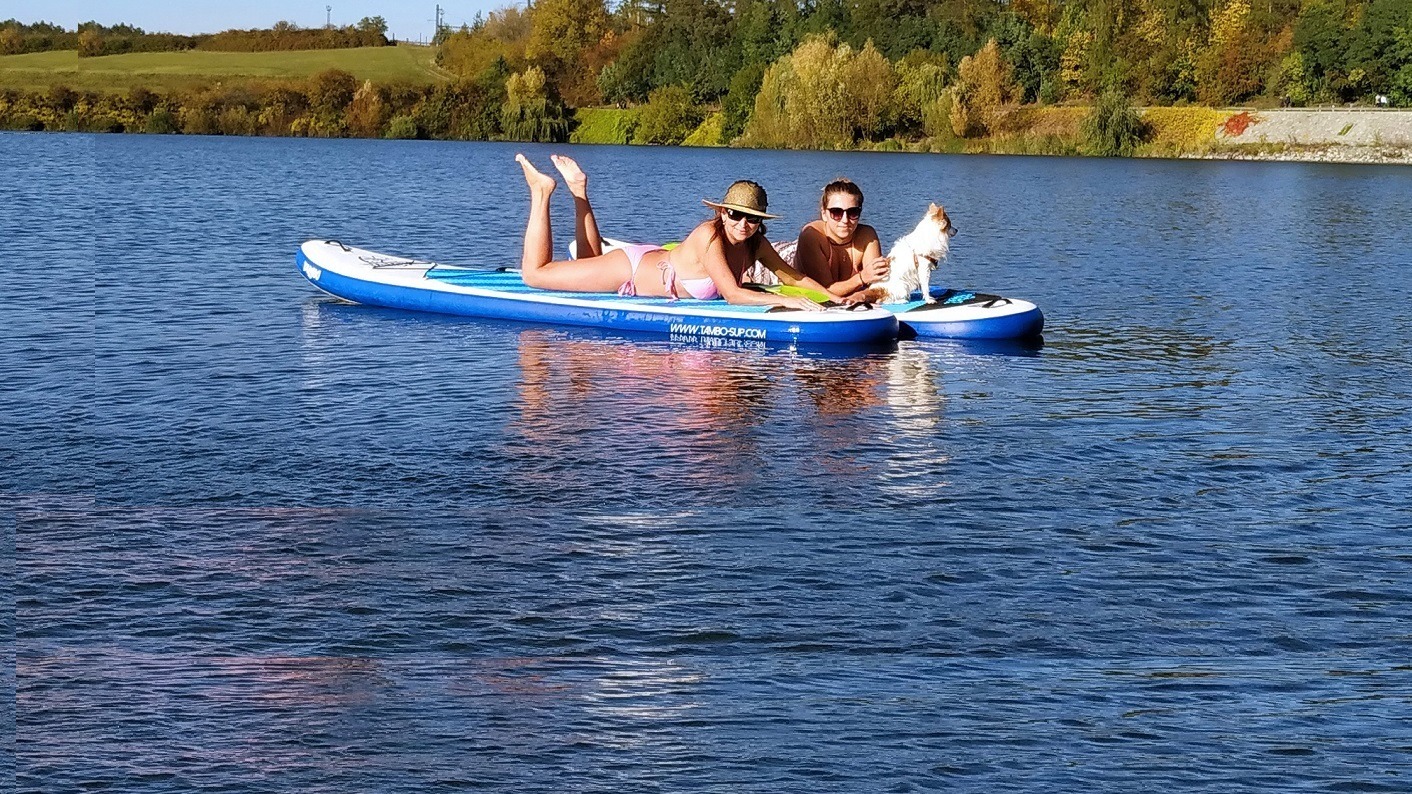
770	258
875	266
713	256
811	255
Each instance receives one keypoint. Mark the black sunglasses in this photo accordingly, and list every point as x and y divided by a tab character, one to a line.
736	215
837	213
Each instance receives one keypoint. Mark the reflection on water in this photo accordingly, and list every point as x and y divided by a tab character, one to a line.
603	396
642	420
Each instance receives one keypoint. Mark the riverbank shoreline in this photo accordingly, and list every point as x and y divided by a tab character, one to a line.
1296	153
1346	136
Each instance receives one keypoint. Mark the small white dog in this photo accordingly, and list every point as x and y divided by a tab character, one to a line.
913	258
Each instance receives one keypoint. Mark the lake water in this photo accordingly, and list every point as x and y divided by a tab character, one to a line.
266	541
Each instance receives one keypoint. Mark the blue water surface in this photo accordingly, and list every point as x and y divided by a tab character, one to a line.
265	541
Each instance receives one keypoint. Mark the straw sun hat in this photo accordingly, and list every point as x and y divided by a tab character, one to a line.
743	196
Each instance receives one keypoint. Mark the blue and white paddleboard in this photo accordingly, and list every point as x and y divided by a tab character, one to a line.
363	276
960	314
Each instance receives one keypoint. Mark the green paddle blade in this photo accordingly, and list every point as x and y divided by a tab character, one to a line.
800	292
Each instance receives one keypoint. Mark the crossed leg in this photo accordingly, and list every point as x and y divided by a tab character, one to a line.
598	273
586	235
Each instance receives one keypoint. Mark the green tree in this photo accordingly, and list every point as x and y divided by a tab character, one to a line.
161	122
502	35
61	98
1113	127
922	79
402	128
529	112
822	96
561	30
1319	36
983	86
330	91
467	110
765	30
740	100
368	113
1033	55
11	42
871	81
1229	68
1292	82
1377	45
280	104
90	44
141	100
693	44
629	78
565	39
376	25
668	117
1400	82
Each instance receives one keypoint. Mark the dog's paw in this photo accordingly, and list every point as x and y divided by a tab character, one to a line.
929	299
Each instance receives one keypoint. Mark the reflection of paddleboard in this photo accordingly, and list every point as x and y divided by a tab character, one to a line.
957	314
377	279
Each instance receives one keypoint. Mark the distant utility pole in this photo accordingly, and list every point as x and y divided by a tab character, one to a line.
439	18
328	16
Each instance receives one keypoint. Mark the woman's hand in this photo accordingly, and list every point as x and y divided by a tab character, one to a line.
795	302
876	270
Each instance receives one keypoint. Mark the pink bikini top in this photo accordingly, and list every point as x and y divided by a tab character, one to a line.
702	289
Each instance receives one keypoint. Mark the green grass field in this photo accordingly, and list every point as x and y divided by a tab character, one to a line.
160	71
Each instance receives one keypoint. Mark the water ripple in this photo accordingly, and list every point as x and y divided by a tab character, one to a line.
267	541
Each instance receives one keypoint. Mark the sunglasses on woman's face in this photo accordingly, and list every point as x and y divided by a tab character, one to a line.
837	213
737	215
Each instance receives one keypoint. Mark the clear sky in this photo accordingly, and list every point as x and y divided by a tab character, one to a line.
405	20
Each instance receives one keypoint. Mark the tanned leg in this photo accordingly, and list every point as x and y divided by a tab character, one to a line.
539	238
603	273
586	235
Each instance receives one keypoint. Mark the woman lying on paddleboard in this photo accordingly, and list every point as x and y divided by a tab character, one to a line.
707	265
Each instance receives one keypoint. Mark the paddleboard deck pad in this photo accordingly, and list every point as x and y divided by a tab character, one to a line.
368	277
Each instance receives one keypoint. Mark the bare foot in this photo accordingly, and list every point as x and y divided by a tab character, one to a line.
574	176
539	183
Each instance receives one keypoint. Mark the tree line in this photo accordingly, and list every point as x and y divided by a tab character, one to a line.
827	74
332	104
92	39
1158	52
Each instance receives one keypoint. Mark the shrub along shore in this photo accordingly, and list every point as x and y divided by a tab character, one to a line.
335	104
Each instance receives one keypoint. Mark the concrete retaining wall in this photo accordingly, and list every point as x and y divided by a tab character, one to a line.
1327	127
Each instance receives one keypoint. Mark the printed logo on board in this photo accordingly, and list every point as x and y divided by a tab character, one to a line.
727	331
